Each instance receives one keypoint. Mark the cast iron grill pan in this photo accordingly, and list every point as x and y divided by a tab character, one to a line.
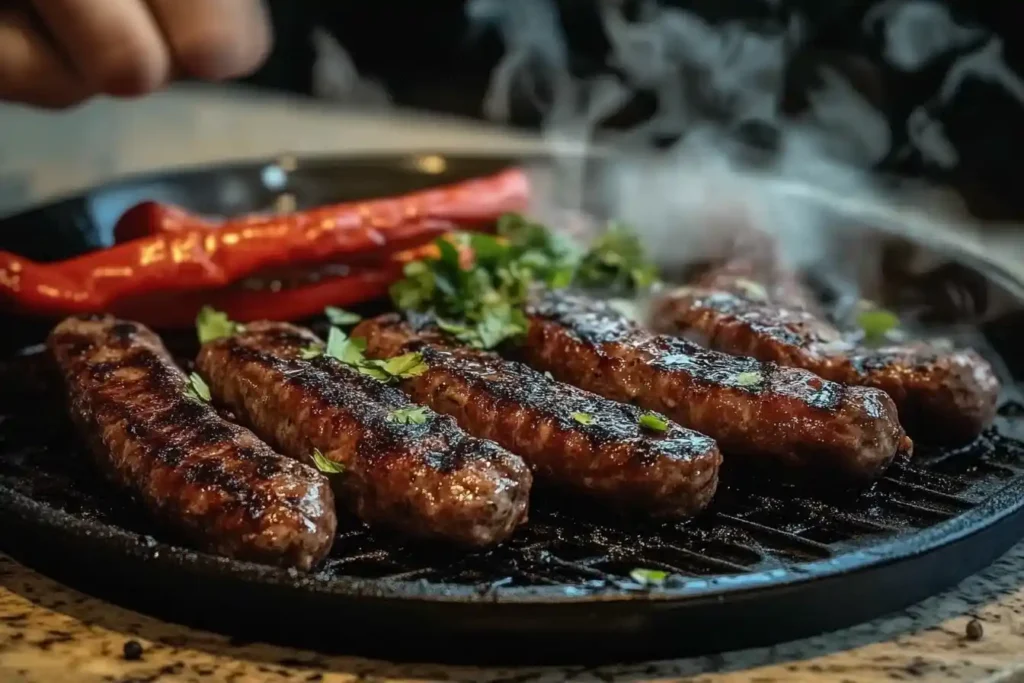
766	563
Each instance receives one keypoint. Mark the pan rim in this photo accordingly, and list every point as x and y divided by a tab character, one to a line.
996	509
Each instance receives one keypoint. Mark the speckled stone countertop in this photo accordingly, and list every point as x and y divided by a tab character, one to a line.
49	632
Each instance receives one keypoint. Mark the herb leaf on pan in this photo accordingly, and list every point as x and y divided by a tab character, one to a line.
412	415
197	388
649	577
212	324
325	464
654	422
340	317
481	303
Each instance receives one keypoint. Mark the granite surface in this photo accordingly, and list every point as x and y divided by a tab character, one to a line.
49	632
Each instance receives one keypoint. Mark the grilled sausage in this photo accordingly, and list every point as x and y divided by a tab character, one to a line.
427	480
943	395
571	438
750	408
211	481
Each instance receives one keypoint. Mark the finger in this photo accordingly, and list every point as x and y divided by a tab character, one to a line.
32	70
215	39
116	45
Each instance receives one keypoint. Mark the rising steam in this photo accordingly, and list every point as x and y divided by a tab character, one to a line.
712	82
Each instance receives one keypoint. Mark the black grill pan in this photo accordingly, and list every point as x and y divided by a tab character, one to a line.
767	563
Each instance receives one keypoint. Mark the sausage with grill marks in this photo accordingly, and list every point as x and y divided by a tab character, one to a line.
428	480
754	409
944	395
571	438
211	481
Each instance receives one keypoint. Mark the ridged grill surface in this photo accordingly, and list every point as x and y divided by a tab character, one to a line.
748	528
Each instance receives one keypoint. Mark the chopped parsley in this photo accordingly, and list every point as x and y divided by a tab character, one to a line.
344	348
341	317
412	415
197	388
877	323
311	352
649	577
326	465
481	304
583	418
212	324
748	379
654	422
616	263
351	352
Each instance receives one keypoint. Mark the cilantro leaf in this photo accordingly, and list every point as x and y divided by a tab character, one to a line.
616	262
311	352
212	324
344	348
749	379
400	367
411	415
197	388
649	577
654	422
326	465
877	323
583	418
341	317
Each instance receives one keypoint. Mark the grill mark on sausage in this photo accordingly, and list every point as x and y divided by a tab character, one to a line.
750	408
942	395
611	458
208	479
428	480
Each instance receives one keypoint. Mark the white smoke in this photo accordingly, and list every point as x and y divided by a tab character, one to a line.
709	80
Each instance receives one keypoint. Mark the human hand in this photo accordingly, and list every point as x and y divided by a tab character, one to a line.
57	53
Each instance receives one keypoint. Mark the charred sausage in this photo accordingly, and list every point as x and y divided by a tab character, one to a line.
572	439
211	481
944	395
428	480
750	408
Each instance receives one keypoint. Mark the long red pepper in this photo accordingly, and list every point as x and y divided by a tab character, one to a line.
362	283
198	258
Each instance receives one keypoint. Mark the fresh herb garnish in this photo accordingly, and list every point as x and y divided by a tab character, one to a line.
412	415
350	351
481	304
748	379
197	388
616	263
311	352
326	465
400	367
654	422
341	317
648	577
877	323
583	418
212	324
344	348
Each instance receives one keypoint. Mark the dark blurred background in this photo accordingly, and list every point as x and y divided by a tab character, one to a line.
943	75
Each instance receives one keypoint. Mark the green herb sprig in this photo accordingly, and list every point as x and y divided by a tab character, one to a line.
212	324
325	464
481	305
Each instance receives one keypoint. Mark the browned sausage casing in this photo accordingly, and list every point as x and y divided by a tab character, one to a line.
750	408
428	480
571	438
212	481
943	395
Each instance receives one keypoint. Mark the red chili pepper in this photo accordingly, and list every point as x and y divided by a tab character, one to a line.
362	283
197	258
244	305
470	203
